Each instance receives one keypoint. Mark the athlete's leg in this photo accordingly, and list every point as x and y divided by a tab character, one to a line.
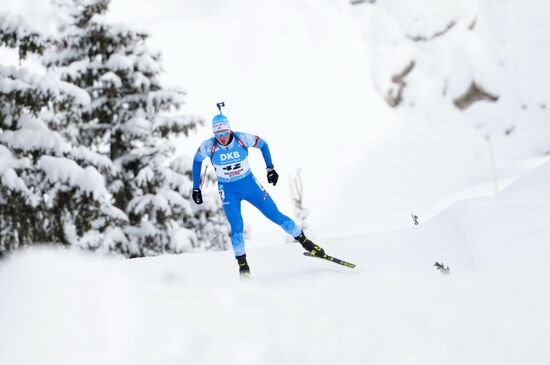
232	207
259	197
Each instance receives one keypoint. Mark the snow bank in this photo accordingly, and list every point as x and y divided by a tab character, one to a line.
394	308
512	228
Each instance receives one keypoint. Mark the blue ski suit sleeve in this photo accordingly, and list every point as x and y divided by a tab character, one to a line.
267	155
202	153
197	165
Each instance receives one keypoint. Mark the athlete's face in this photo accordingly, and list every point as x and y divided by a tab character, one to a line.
223	137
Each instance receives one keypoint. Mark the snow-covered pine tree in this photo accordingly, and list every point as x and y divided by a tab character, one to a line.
45	195
130	119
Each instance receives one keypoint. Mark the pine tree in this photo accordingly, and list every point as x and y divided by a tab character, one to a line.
130	120
45	194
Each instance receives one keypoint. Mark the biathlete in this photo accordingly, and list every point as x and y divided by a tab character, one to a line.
228	152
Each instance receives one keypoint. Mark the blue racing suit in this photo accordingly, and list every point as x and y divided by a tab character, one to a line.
236	183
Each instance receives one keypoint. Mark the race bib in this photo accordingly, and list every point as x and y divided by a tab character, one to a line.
232	170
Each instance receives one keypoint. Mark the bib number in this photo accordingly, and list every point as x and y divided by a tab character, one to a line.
231	171
232	167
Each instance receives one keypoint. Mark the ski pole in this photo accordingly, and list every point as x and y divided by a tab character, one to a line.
203	176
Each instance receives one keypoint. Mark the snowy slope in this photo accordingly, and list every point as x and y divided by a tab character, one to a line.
65	307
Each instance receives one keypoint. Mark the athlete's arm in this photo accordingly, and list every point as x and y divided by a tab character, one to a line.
197	166
254	141
201	154
267	155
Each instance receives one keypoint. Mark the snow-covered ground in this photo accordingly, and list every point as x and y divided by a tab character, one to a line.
62	307
309	76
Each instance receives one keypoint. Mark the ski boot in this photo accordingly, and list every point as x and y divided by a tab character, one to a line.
244	269
309	246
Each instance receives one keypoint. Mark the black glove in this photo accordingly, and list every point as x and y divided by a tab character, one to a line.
272	176
197	196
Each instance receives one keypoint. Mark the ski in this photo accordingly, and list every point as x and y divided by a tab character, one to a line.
331	259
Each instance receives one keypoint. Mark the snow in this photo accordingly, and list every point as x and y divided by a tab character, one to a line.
82	153
111	78
179	122
141	81
51	83
25	79
310	77
144	230
182	239
106	242
145	175
176	200
13	182
34	135
74	70
148	203
16	24
139	127
119	62
314	89
393	308
146	63
9	177
8	161
158	97
114	212
67	171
